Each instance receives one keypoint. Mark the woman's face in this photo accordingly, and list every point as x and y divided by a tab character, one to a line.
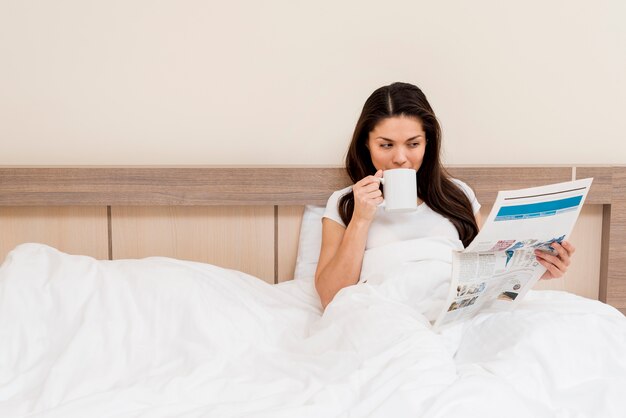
397	142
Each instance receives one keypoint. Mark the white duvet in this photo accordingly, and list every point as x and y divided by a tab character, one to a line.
160	337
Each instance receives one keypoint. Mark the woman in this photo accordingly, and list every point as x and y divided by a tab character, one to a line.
398	129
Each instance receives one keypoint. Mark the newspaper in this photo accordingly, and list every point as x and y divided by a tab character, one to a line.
499	266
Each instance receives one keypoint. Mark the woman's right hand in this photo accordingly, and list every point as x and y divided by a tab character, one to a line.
367	197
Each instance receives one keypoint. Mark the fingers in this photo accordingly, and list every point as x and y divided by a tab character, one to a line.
367	195
562	254
370	180
375	195
569	247
552	270
370	187
369	184
553	259
556	264
370	191
552	262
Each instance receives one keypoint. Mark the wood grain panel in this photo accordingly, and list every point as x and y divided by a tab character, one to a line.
236	237
601	191
289	220
487	181
169	186
616	271
74	230
604	252
183	186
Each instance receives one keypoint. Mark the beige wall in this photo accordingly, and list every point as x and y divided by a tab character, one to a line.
283	81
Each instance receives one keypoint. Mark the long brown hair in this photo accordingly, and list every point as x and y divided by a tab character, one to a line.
434	184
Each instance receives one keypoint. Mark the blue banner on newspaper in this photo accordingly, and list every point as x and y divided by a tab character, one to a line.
538	210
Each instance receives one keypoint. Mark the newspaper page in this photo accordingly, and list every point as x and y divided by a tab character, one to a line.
499	266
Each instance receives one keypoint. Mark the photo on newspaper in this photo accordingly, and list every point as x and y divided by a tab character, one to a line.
499	266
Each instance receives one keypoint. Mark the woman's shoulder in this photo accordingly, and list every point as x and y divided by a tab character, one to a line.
468	192
332	209
333	200
462	185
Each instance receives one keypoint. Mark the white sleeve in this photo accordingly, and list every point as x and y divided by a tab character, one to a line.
470	195
332	206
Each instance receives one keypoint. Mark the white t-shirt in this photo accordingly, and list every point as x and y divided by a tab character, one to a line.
388	227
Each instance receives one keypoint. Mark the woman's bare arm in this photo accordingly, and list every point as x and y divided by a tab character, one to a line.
341	257
342	249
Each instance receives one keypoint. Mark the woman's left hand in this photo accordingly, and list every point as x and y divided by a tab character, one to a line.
556	265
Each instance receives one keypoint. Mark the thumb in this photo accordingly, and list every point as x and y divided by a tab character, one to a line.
379	173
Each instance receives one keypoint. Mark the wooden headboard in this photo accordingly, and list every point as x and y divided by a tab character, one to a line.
248	218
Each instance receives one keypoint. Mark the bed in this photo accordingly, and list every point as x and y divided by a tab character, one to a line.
187	292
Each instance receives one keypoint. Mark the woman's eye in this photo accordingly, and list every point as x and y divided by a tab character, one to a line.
385	146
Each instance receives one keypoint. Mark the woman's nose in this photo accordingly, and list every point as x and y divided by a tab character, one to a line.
399	158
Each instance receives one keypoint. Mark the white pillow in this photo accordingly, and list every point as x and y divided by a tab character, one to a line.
310	242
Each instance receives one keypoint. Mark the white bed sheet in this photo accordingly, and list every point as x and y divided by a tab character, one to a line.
160	337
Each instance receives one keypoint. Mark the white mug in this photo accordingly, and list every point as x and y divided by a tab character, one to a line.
400	190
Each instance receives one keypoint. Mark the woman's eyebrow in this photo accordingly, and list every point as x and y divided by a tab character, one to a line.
391	140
